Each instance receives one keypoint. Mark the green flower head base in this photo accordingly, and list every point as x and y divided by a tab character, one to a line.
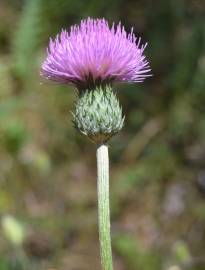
98	114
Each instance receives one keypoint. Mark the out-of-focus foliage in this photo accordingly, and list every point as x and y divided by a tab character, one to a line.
47	179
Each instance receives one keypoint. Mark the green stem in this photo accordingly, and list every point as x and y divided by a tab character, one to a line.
103	206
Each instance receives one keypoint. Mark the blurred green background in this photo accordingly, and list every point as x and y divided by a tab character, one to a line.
48	210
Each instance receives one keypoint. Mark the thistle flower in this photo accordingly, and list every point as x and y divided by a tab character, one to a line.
93	54
91	57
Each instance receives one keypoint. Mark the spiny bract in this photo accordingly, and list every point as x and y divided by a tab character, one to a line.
98	114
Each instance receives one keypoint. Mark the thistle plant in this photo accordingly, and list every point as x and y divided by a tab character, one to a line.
92	57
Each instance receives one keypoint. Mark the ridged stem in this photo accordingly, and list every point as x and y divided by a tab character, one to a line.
103	206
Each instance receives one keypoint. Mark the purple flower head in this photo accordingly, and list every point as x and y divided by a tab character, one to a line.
94	54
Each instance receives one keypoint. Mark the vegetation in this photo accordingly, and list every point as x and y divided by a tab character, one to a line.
48	177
